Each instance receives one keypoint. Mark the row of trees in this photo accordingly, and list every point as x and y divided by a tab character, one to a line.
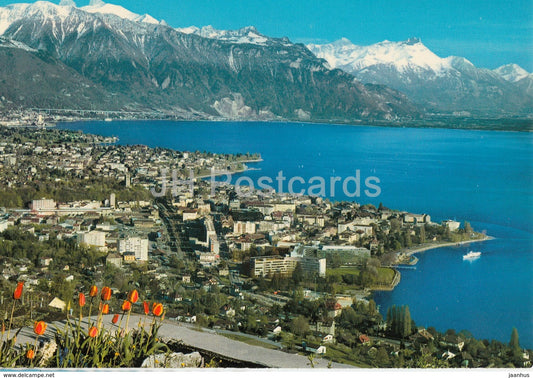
399	322
71	189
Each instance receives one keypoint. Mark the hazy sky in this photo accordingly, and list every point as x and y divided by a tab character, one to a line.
489	33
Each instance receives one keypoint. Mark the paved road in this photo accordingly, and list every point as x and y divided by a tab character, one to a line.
251	337
209	340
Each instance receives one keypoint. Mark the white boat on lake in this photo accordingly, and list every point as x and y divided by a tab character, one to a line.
471	255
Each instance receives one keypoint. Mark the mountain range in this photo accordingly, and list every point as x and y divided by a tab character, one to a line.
137	63
451	84
104	57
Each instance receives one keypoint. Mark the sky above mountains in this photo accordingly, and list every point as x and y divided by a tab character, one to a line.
488	33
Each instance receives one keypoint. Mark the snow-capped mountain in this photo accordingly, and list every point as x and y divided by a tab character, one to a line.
512	72
98	6
248	34
11	44
149	65
402	56
450	84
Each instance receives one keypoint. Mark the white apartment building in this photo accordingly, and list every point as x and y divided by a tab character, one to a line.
93	239
240	228
134	244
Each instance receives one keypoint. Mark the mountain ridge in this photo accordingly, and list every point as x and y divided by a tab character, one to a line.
156	67
144	64
451	84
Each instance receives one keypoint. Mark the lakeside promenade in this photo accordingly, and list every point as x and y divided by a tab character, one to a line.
428	246
422	248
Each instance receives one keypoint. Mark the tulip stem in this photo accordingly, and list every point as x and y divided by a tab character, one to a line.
79	326
11	320
128	320
34	349
99	314
89	316
120	325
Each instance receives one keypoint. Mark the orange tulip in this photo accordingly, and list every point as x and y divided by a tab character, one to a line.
18	291
93	332
106	293
146	306
30	354
39	328
105	309
126	306
93	291
133	296
115	319
157	310
81	299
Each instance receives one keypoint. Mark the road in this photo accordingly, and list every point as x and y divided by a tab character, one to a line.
208	340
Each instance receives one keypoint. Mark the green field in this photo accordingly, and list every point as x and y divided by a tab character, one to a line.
384	277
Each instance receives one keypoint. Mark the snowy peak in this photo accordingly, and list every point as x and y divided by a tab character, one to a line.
447	85
44	11
98	6
103	8
512	72
41	10
403	56
248	34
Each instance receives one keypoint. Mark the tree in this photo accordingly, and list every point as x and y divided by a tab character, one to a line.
406	326
288	340
448	234
349	316
389	318
394	225
334	260
422	233
514	343
372	308
399	322
382	358
300	325
407	238
298	294
468	229
298	274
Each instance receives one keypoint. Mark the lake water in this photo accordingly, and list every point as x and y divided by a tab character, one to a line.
484	177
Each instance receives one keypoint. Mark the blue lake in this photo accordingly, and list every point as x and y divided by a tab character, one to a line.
485	177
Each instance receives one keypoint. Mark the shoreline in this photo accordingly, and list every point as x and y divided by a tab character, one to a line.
231	173
395	281
410	252
411	124
397	277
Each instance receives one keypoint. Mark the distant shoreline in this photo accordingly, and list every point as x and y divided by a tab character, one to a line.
218	174
449	122
411	251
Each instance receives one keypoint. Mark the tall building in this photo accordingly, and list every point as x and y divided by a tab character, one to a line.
43	204
4	224
134	244
211	236
268	265
112	200
240	228
93	239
